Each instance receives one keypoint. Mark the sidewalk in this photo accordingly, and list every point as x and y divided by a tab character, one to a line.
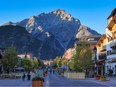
111	81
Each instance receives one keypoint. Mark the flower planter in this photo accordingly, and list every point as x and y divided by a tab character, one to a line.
38	83
103	78
97	77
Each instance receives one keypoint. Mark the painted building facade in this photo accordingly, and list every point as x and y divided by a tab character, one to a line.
101	55
111	43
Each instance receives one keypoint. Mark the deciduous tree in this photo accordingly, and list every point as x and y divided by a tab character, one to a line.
10	59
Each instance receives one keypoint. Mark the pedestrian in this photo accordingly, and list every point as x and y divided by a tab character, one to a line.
28	75
50	70
23	76
53	71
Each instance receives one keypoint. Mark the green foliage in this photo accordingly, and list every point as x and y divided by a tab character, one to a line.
10	59
58	62
38	78
41	63
27	64
35	63
54	63
64	62
82	59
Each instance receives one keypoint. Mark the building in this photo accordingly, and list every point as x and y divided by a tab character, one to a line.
101	55
90	40
48	62
69	53
25	56
21	56
111	43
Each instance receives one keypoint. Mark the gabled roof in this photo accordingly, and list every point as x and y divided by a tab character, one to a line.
112	13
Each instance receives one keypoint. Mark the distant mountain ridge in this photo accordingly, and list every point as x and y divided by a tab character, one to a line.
58	29
24	42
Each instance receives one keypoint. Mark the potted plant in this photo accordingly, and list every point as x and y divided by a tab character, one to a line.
37	81
97	77
103	78
45	73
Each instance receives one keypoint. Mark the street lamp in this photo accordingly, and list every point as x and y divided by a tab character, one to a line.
95	51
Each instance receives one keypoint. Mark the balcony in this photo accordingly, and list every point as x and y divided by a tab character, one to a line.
113	52
113	60
113	44
112	23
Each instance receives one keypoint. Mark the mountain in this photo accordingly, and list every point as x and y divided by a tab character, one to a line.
24	42
58	29
85	31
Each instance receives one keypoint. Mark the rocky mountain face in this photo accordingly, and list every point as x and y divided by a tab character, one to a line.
85	31
58	29
24	42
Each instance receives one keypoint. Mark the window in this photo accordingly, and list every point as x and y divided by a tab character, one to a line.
109	52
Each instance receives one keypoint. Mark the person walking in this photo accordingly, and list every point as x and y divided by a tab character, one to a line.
28	75
23	76
53	71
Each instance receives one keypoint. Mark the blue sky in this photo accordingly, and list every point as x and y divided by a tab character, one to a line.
92	13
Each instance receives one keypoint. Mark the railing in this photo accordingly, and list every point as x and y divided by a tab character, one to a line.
113	43
113	52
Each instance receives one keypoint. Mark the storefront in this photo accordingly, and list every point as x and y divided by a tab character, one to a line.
111	66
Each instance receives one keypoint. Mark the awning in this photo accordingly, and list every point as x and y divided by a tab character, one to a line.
64	67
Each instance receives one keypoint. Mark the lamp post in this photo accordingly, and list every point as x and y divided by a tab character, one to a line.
95	51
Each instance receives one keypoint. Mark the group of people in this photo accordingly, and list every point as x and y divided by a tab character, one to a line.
51	70
28	75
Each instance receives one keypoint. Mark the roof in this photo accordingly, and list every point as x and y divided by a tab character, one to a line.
112	13
101	38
